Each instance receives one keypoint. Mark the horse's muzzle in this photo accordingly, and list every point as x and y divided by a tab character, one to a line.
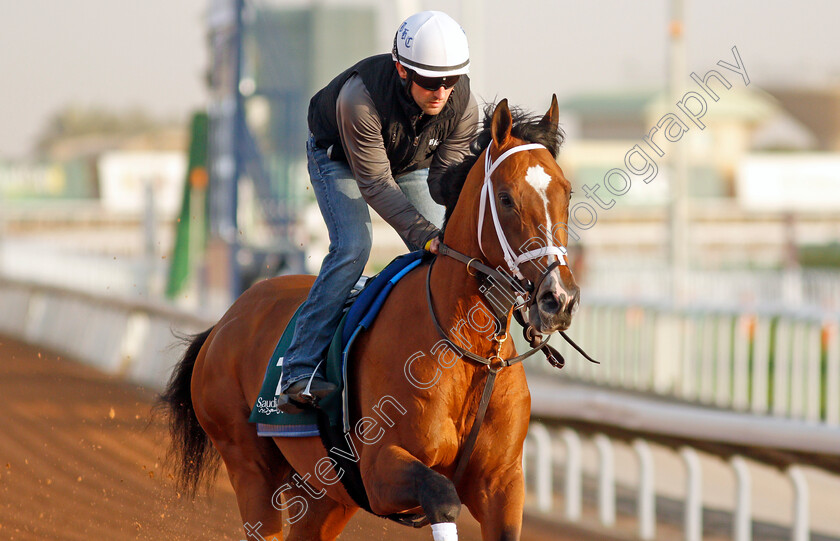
556	304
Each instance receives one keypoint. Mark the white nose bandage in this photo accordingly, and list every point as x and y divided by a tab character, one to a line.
445	531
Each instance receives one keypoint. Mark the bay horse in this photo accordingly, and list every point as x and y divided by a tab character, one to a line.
417	397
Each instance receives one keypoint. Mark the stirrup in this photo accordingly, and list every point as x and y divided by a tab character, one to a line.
286	405
307	396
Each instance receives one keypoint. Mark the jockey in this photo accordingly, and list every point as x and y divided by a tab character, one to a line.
382	133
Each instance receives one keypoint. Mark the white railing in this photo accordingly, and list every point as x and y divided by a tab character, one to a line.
541	451
782	363
794	288
122	275
123	336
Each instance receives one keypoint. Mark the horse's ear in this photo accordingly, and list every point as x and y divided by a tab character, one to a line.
501	123
552	117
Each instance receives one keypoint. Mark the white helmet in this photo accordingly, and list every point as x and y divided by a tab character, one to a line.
432	44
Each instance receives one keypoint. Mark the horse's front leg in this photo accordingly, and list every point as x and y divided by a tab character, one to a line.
496	497
397	481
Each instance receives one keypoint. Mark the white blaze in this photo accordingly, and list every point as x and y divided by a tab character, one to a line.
539	180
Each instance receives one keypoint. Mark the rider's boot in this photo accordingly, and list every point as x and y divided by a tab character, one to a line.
306	392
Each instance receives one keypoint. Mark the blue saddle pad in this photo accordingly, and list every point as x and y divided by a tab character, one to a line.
271	422
370	300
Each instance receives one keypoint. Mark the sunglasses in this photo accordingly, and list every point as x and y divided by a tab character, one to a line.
433	83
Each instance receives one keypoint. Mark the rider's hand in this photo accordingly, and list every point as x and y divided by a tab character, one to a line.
433	245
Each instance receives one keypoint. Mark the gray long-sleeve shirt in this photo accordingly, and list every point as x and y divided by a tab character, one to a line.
360	129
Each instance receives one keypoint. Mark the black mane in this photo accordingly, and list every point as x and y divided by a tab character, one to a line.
526	126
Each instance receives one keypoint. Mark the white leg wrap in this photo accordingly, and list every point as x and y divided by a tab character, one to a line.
445	531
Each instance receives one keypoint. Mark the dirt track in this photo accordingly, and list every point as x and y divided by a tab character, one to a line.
80	460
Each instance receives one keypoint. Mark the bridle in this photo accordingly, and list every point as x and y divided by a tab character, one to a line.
511	258
518	285
513	261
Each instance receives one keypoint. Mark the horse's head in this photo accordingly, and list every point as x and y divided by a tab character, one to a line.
518	211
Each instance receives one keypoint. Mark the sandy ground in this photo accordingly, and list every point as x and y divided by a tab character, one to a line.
80	460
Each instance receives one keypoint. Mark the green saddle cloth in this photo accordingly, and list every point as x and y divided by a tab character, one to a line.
273	423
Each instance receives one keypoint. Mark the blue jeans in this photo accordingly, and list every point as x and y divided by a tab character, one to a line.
348	221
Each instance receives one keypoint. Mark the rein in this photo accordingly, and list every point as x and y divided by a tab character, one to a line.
528	332
494	364
499	338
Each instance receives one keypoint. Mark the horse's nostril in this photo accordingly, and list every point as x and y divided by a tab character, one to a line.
549	302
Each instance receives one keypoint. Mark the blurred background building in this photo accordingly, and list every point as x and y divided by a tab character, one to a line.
762	176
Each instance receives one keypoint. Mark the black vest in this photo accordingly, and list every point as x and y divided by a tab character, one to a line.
410	137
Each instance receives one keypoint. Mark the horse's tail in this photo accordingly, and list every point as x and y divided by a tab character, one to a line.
194	456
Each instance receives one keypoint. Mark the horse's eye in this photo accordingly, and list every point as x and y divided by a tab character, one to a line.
505	200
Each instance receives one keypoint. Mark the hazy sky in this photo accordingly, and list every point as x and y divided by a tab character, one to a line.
115	53
152	54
